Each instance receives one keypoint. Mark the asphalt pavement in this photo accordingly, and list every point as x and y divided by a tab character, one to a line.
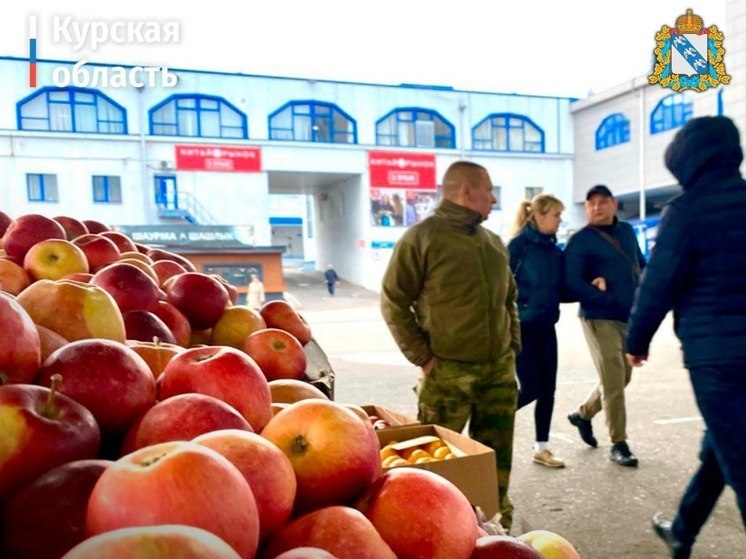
602	508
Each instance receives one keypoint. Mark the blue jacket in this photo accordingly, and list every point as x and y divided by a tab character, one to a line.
698	265
537	262
588	256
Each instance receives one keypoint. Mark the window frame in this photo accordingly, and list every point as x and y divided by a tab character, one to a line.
613	131
199	99
666	106
400	112
507	117
313	107
107	199
42	189
71	92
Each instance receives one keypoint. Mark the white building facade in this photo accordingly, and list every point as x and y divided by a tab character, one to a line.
333	171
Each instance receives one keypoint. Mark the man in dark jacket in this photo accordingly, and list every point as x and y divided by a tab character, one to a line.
602	267
698	269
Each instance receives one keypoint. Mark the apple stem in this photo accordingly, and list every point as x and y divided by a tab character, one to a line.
299	444
50	406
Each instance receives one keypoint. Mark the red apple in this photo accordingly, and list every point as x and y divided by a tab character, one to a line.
143	266
132	289
144	326
142	248
420	514
235	325
13	278
278	354
200	338
181	418
20	347
137	255
54	259
503	547
230	288
176	322
94	226
123	242
46	518
289	391
176	483
5	220
165	541
165	269
99	251
279	314
226	374
107	377
334	453
73	227
41	429
267	470
342	531
27	230
81	277
306	553
159	254
74	310
199	297
50	341
156	354
549	545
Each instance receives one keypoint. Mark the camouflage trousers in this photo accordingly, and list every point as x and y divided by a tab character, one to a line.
485	395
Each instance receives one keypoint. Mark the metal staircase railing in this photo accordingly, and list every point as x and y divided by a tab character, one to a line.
188	208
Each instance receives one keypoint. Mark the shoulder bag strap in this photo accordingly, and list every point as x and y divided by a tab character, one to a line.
614	242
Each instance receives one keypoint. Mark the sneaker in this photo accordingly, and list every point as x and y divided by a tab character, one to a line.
663	529
585	427
622	455
546	458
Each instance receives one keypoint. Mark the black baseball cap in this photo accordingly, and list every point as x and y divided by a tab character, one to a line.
599	189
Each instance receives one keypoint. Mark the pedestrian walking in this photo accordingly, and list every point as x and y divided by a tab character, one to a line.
602	267
537	263
331	278
698	269
448	298
256	296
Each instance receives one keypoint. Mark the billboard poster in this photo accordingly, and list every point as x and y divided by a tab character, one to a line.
403	189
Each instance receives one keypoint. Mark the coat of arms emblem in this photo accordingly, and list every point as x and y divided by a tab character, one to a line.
689	56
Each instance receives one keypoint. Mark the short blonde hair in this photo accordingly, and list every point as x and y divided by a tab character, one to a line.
540	204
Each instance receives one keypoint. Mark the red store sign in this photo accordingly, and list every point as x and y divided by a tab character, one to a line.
392	169
219	158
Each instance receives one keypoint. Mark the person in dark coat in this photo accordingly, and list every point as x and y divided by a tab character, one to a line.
698	269
602	267
536	262
331	278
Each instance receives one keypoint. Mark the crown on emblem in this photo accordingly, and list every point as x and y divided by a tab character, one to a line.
689	23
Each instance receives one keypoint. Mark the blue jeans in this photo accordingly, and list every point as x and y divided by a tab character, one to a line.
721	397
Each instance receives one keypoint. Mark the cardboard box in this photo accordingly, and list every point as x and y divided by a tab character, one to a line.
474	471
394	418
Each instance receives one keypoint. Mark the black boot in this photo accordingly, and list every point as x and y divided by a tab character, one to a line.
585	427
663	529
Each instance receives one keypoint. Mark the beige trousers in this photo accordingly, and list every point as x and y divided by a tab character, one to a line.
606	342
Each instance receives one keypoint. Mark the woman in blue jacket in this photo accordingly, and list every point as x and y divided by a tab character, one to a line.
536	261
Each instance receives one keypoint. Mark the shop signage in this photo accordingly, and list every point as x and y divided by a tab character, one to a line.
392	169
217	236
218	158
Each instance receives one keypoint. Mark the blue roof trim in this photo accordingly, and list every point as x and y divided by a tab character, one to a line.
297	78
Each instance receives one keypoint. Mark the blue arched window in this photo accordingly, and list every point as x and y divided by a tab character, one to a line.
203	116
613	130
507	132
71	109
312	121
671	112
415	127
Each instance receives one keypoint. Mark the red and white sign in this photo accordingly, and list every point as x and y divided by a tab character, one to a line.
392	169
219	158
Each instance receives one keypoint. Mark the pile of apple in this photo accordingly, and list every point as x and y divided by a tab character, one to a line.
136	419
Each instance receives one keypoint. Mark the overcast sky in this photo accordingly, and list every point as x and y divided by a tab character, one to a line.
564	48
